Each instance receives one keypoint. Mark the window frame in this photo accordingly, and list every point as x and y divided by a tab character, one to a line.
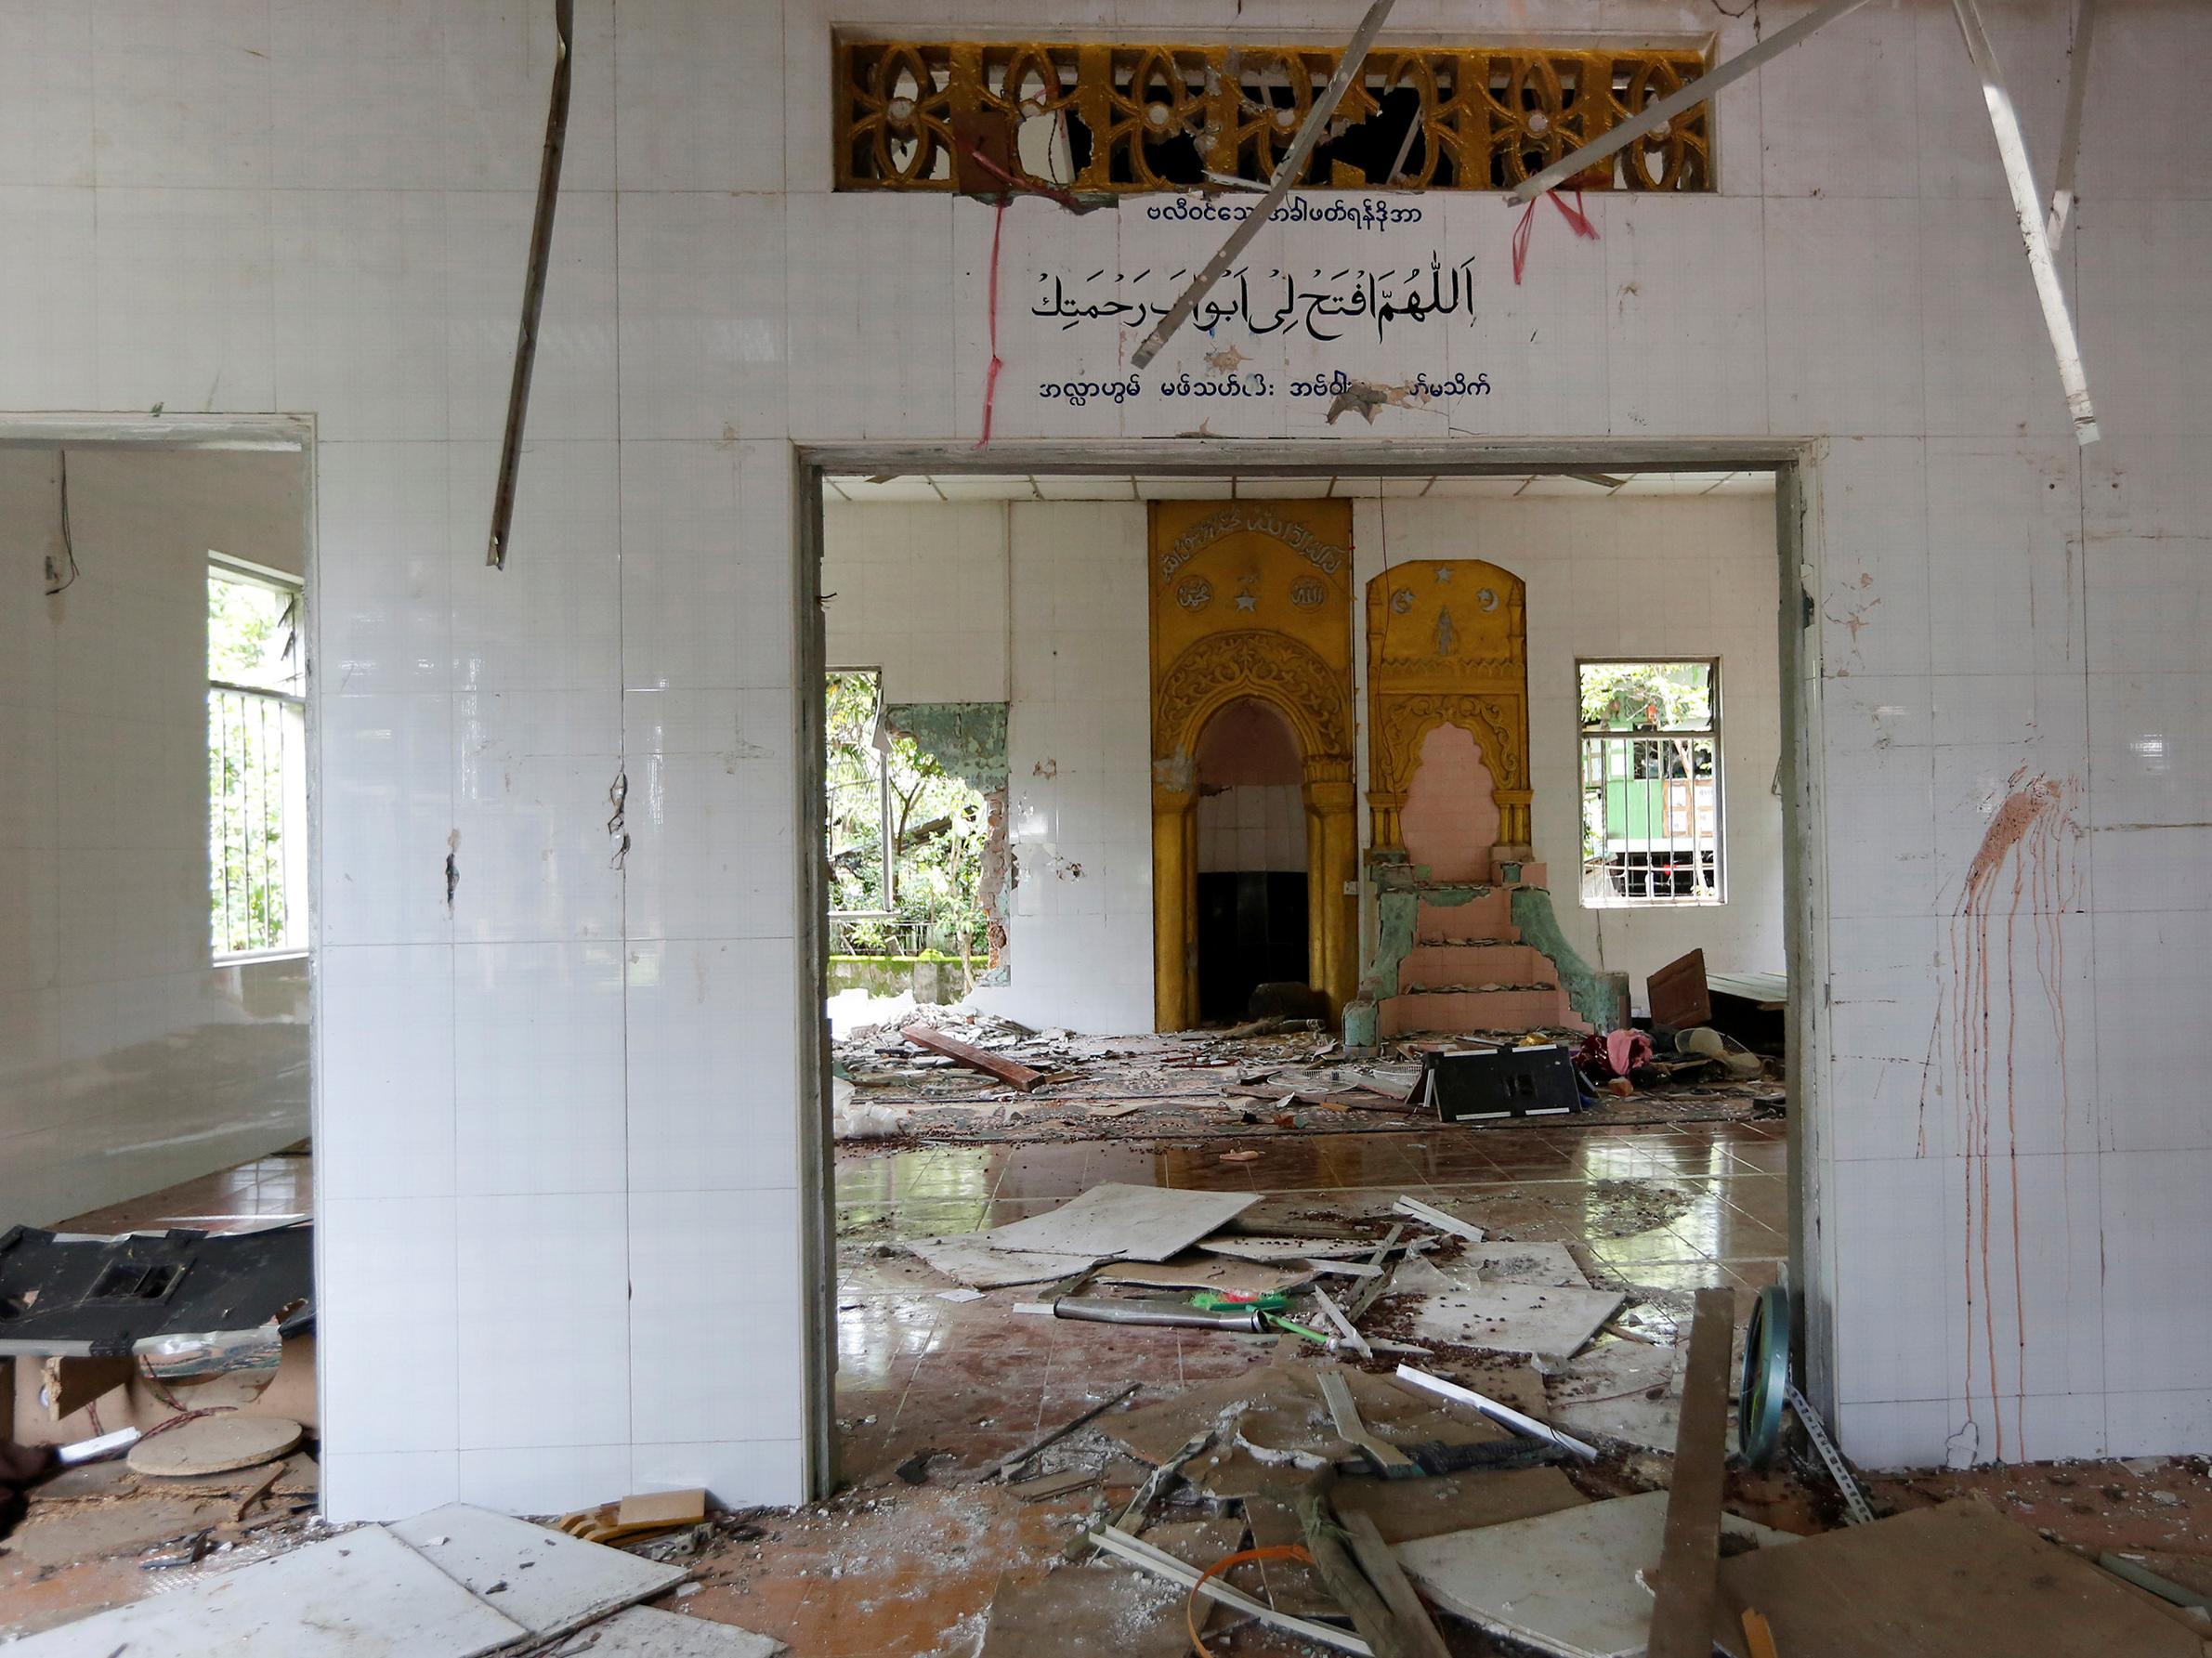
883	819
1712	733
291	767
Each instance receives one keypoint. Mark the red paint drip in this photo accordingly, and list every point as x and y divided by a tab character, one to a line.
1577	220
990	380
2025	849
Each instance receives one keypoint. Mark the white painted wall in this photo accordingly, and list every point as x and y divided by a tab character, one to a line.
323	208
1631	576
128	1060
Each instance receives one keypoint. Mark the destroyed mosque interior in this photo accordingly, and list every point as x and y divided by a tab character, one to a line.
1235	830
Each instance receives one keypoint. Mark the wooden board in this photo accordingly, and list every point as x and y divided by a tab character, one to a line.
552	1583
1408	1510
1688	1586
1120	1222
1417	1631
1014	1074
364	1593
1958	1581
1677	993
214	1446
1291	1587
1568	1582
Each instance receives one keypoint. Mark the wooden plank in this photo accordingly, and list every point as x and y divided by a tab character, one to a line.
1421	1637
1408	1510
1958	1581
67	1386
1014	1074
1378	1623
1681	1624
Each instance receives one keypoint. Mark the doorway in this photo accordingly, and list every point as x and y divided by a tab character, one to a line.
1252	906
1075	647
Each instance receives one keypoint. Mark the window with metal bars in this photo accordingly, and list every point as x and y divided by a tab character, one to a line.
256	764
1651	783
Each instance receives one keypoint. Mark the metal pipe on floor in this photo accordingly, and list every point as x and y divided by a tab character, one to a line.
1101	1309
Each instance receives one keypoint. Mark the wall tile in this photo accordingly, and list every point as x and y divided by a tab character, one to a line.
2155	1268
540	1269
699	95
387	1368
386	1122
185	299
572	378
52	360
712	1061
538	1084
1839	277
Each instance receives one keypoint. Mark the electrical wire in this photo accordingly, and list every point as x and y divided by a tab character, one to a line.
57	581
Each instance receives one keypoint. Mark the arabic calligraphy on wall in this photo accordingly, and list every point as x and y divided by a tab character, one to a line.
1317	304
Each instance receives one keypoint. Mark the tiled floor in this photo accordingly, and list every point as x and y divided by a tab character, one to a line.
1723	1220
250	1194
886	1567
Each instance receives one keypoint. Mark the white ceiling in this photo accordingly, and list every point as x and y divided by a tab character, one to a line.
1113	487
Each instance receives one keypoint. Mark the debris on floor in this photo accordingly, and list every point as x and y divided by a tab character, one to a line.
954	1075
1408	1429
453	1583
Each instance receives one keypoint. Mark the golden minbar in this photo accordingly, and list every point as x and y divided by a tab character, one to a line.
1101	117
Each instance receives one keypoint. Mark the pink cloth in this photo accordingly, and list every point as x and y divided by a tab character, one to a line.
1625	1050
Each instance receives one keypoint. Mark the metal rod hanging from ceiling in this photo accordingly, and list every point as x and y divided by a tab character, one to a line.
533	286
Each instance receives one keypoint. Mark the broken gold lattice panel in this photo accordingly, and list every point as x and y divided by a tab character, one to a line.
1135	117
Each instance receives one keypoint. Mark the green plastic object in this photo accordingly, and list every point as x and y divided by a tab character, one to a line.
1213	1300
1766	1376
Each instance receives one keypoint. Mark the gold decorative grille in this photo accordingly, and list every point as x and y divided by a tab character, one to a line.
1130	117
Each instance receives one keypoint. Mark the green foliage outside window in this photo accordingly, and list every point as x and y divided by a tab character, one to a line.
937	827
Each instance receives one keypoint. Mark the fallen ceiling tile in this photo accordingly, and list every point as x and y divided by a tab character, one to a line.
547	1582
363	1594
969	1258
1114	1222
647	1632
1565	1582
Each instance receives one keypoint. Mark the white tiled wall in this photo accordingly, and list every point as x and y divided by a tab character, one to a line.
924	594
1079	743
711	300
129	1060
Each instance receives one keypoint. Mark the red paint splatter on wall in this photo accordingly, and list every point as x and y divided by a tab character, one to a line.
2022	875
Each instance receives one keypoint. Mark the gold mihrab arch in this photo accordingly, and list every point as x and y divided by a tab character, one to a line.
1272	667
1251	599
1447	644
